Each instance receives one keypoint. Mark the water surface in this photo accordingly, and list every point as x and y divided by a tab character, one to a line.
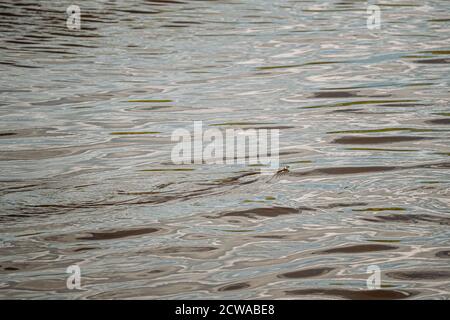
86	177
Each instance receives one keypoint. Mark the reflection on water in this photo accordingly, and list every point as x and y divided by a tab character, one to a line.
86	120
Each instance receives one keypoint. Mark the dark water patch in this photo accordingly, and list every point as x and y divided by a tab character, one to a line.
236	230
377	140
5	266
13	90
439	20
240	124
54	51
152	108
367	169
333	94
32	265
29	234
418	84
346	111
416	57
381	209
174	26
7	134
232	180
279	67
437	52
300	161
77	34
419	274
439	165
398	5
383	150
314	63
270	212
445	121
185	249
343	205
287	152
384	130
343	170
433	61
165	2
77	45
353	103
109	235
273	127
150	100
20	41
168	170
235	286
10	14
82	249
134	11
20	65
359	248
409	218
270	236
445	254
380	294
306	273
253	201
328	10
134	132
10	269
296	65
137	193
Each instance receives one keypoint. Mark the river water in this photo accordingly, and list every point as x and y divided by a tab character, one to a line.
87	178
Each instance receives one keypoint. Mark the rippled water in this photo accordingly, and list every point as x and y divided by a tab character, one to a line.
86	175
